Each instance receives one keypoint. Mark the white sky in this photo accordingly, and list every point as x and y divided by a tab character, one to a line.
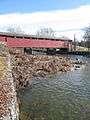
58	20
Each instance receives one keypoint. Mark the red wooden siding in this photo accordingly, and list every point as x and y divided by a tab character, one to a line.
17	42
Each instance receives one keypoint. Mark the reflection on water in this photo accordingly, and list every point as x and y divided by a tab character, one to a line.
64	96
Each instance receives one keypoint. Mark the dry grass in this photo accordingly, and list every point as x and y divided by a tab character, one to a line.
2	66
79	48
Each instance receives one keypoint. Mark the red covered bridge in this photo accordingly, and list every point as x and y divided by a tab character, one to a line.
27	41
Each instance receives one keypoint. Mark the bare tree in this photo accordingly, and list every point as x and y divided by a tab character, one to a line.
15	30
87	37
45	32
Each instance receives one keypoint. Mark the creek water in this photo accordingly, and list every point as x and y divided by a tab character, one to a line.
63	96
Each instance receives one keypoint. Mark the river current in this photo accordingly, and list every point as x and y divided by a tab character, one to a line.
63	96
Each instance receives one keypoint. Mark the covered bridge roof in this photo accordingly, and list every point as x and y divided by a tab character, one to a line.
7	34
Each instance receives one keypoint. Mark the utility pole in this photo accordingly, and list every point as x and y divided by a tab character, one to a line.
74	42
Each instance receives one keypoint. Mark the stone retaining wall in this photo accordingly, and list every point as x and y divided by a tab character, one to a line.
8	101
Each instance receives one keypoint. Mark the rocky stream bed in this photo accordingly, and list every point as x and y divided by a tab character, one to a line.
17	71
25	67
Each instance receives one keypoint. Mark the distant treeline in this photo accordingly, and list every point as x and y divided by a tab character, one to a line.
84	44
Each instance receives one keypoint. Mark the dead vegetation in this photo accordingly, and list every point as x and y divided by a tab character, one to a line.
25	67
2	66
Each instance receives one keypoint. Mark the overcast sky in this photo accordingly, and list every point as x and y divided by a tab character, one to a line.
66	17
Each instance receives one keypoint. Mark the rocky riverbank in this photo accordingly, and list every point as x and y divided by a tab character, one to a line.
8	102
17	71
25	67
